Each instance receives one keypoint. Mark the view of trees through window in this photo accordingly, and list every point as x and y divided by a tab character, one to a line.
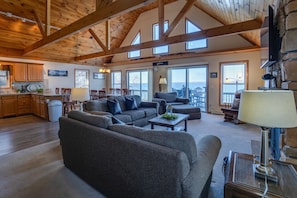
116	79
138	83
81	78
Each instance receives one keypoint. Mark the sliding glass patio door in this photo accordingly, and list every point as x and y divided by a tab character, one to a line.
190	82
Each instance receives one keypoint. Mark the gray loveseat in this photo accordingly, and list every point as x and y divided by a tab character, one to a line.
165	98
138	114
126	161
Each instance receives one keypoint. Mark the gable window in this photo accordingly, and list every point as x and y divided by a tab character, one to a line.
161	49
135	53
81	78
233	79
196	44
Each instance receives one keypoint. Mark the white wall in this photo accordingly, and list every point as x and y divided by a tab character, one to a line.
51	82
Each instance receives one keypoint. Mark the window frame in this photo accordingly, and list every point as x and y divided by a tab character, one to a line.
229	99
166	22
132	43
86	84
112	79
186	31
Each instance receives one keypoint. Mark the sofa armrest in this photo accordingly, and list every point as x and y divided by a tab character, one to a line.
207	152
183	100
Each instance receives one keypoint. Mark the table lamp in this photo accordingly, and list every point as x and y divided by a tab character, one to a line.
267	109
162	81
80	95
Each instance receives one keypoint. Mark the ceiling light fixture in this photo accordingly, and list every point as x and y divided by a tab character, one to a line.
104	70
9	14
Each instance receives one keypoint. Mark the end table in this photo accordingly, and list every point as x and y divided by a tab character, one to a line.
240	181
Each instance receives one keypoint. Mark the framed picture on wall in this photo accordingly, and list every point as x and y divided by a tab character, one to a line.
57	72
97	75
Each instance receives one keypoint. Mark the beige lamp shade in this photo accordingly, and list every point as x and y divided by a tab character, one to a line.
268	108
80	94
162	81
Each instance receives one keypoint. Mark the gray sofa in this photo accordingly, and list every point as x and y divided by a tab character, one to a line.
138	115
165	98
122	160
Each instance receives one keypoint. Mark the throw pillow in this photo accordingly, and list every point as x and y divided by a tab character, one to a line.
130	104
114	107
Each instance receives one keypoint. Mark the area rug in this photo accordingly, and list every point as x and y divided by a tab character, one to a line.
39	172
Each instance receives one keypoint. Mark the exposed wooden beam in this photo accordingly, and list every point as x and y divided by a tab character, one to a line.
107	34
48	17
39	23
102	3
213	32
182	13
161	18
185	55
114	9
98	40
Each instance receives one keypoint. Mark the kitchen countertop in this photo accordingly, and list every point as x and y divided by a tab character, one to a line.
26	93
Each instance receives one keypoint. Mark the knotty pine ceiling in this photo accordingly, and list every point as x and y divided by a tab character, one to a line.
55	30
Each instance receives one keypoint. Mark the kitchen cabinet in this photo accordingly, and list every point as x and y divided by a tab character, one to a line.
24	104
39	104
28	72
9	106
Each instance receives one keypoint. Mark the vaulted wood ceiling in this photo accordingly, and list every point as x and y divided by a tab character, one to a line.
90	32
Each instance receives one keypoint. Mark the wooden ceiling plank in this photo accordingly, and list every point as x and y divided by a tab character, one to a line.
99	16
98	40
102	3
213	32
182	13
161	18
39	23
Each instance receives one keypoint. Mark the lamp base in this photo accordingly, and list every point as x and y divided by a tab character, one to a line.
265	172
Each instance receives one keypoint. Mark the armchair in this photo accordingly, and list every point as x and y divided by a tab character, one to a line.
165	98
230	114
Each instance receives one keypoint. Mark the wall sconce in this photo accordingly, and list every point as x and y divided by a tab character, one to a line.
104	70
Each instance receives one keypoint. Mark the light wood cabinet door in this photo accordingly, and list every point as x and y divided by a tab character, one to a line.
9	106
24	104
35	72
20	72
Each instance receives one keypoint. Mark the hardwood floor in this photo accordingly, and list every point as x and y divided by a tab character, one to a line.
17	133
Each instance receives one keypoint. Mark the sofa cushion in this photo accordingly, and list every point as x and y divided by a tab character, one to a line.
176	140
130	103
96	120
96	105
135	114
149	111
122	102
114	107
169	96
124	118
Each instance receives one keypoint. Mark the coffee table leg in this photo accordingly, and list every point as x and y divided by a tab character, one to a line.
152	126
186	125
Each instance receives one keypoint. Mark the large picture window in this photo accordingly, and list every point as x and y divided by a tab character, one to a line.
233	79
138	83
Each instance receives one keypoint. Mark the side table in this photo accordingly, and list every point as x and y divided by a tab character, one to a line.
240	181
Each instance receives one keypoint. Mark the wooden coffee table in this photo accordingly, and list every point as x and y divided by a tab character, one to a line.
169	123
